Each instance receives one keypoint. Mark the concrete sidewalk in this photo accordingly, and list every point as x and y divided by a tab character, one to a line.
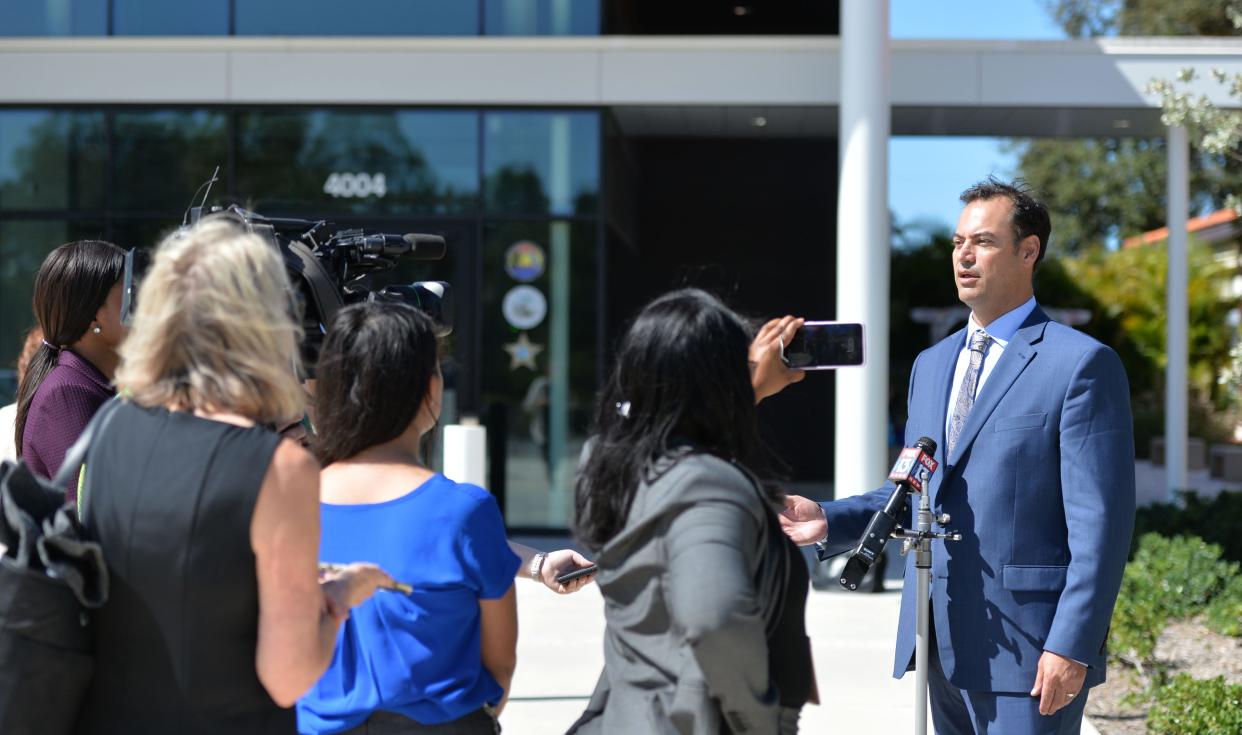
560	656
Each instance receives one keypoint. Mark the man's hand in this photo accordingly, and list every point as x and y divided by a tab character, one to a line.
1057	681
561	562
769	374
803	520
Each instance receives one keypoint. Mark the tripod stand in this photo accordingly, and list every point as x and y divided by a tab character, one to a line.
920	539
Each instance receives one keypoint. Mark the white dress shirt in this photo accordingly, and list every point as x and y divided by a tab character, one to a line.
1001	331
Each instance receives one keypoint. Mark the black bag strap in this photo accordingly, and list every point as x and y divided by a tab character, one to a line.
76	455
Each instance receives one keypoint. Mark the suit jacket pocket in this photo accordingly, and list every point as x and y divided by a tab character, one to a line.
1030	578
1025	421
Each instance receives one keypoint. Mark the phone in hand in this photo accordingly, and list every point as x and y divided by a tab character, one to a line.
579	572
825	346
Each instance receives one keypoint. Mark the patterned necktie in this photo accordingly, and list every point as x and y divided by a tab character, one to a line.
966	391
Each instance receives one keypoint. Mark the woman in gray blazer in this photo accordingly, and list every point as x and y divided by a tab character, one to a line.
704	595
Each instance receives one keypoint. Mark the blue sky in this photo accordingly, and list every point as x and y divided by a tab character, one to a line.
926	174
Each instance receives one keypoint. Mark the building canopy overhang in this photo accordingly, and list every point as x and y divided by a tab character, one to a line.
658	85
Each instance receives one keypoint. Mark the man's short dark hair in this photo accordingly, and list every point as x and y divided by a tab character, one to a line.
1029	216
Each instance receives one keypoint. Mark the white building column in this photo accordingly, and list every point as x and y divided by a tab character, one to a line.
861	449
1177	313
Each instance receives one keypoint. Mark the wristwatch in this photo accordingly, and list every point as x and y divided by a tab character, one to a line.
536	566
821	546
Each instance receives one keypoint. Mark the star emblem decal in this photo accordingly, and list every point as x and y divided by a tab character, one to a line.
522	353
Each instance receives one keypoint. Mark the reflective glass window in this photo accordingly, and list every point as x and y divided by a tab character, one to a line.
52	159
392	161
538	318
163	156
357	18
541	17
541	162
142	233
165	18
23	246
54	18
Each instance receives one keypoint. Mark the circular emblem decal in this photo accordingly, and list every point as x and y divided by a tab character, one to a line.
524	261
524	307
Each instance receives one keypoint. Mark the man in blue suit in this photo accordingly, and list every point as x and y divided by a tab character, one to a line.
1036	449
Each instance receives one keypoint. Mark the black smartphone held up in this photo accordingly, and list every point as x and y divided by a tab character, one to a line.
579	572
825	346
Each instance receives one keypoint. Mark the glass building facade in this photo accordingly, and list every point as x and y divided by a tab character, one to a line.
515	193
545	254
301	18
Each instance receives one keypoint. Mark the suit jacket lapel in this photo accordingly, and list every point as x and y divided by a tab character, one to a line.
944	361
1017	354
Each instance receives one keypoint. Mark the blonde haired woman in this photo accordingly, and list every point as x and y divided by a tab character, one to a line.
217	620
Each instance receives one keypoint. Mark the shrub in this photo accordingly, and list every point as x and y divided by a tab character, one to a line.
1168	578
1186	570
1188	706
1216	521
1224	612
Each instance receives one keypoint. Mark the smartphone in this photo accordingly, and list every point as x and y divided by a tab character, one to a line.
580	572
825	346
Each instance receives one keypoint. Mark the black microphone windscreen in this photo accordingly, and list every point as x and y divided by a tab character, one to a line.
425	247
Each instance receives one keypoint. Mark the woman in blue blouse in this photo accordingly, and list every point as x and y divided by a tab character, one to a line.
440	659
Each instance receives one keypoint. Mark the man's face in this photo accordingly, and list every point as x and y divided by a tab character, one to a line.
992	275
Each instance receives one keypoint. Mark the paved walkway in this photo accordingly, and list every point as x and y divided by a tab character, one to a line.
560	657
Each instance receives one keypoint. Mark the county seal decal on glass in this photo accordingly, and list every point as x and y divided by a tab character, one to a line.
524	261
524	307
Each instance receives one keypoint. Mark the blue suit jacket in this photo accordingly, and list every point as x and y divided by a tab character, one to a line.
1041	487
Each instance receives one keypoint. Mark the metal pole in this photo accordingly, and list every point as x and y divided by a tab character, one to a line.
922	563
1177	314
560	190
861	434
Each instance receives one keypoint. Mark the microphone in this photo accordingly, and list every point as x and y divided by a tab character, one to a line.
910	473
425	247
412	245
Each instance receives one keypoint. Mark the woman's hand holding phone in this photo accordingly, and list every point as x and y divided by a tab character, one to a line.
558	564
769	374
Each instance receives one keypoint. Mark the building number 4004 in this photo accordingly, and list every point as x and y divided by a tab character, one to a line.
355	185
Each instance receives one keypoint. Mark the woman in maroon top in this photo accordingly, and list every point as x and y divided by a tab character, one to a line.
77	302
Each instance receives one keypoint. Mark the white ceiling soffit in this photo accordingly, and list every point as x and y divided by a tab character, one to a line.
701	85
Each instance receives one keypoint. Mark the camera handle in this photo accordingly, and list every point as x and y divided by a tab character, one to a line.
920	539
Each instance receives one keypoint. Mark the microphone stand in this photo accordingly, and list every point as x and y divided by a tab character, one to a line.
920	540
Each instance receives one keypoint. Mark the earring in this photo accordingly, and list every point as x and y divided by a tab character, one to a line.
96	330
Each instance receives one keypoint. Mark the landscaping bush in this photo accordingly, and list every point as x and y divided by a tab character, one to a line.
1216	521
1167	578
1224	612
1186	570
1188	706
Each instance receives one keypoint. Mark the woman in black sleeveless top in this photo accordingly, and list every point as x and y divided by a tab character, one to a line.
216	621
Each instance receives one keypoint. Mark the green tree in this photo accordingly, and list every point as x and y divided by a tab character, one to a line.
1109	188
1214	130
1141	17
1129	287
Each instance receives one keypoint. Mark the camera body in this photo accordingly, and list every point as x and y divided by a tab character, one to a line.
330	267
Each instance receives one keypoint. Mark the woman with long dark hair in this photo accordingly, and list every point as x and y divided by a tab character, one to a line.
704	595
77	302
440	658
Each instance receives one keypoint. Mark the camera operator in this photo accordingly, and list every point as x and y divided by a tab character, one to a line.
217	618
1037	475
